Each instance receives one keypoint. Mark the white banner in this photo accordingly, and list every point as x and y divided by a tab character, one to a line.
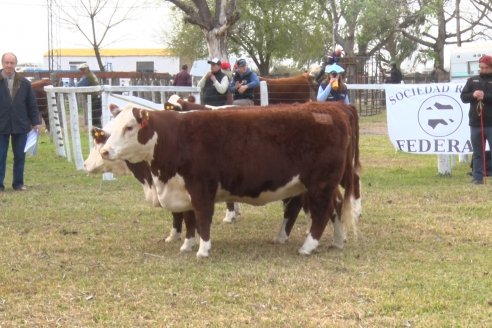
428	118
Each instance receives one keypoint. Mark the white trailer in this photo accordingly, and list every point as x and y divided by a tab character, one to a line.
463	61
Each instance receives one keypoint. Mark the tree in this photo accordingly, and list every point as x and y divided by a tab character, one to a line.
94	19
439	27
215	25
272	31
185	40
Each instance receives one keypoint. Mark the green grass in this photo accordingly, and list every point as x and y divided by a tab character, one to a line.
77	251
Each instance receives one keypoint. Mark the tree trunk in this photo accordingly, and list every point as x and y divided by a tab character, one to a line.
216	44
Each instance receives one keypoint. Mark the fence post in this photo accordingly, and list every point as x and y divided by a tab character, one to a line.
55	126
88	108
444	164
61	101
75	131
263	93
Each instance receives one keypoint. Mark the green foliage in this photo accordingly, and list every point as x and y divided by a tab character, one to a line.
186	40
271	31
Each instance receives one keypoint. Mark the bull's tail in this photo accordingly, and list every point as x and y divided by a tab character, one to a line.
348	217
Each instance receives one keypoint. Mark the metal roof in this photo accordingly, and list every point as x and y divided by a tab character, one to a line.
89	52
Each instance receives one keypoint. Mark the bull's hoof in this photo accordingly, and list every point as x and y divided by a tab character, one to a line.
280	239
337	245
200	255
230	217
310	244
174	236
204	249
304	252
187	245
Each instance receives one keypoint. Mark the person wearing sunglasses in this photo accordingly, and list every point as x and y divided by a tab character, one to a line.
332	87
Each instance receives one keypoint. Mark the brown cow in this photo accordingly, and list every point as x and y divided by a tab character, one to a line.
299	88
42	99
253	156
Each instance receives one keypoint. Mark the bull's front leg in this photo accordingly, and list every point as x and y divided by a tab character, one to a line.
190	222
175	233
204	214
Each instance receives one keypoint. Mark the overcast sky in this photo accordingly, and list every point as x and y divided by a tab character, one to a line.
25	30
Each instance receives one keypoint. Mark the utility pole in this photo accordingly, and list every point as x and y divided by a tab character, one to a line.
50	35
458	27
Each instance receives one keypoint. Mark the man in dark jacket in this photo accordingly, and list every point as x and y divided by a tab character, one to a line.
183	78
478	93
395	75
18	115
243	83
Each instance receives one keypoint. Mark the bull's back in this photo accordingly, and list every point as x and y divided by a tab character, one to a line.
252	150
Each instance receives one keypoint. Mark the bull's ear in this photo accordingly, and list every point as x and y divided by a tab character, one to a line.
99	135
142	117
114	109
169	106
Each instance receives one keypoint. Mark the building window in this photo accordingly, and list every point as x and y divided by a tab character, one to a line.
145	67
74	65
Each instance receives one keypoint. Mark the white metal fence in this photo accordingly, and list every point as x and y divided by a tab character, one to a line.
65	125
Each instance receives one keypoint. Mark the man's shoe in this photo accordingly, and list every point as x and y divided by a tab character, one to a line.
20	188
2	188
477	182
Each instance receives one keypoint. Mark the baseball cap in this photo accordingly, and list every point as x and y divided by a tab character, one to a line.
214	60
225	65
83	66
241	62
334	69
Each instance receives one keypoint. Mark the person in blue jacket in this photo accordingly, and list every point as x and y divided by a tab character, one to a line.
19	115
332	87
243	83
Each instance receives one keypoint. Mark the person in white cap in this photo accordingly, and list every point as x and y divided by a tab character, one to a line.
89	79
214	84
332	87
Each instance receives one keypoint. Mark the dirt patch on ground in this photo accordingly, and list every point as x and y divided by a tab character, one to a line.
373	128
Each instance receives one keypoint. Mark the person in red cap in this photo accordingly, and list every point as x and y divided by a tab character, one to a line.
478	93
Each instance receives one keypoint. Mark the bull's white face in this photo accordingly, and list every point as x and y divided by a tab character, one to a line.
96	164
123	142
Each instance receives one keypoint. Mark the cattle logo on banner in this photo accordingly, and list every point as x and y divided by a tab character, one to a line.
428	118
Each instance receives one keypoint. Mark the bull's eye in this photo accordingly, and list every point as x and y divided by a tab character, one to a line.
128	128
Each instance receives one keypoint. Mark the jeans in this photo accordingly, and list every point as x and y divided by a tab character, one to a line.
476	140
18	145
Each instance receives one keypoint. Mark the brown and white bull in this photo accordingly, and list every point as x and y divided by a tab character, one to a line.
141	171
253	156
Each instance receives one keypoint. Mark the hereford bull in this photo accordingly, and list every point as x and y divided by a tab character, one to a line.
253	156
300	88
141	171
